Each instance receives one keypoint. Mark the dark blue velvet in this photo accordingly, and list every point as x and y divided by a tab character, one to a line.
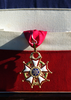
4	4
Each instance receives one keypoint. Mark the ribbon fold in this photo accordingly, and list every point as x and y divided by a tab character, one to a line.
35	36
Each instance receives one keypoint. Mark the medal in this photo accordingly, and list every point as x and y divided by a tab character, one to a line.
35	71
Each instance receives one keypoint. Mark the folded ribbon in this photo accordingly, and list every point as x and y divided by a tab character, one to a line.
35	36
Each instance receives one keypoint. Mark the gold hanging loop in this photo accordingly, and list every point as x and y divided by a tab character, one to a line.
34	45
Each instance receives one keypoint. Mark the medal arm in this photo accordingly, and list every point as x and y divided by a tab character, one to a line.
28	63
48	68
42	63
25	64
50	71
26	74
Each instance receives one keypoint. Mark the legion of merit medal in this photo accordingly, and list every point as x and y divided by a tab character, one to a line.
35	71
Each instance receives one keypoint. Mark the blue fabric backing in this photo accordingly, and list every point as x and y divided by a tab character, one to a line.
5	4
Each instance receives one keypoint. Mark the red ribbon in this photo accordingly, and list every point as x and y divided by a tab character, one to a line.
36	36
